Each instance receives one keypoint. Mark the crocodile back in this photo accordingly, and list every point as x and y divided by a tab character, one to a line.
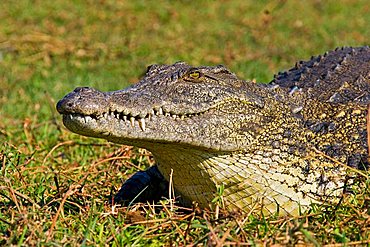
339	76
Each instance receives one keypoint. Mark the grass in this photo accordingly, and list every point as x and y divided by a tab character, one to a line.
54	184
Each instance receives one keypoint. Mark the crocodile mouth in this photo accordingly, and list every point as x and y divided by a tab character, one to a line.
128	119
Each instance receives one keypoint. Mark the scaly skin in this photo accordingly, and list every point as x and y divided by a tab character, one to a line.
279	146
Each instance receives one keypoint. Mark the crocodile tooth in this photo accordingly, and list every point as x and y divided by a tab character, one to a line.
297	109
152	112
132	121
182	117
293	90
174	116
160	111
142	124
124	117
167	114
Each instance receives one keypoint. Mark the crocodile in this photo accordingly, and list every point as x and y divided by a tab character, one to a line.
277	147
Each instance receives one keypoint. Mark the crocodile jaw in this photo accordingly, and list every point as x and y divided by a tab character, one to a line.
209	130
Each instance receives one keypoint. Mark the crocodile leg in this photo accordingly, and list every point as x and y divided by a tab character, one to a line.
143	186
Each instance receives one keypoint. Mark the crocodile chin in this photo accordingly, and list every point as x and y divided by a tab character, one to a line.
276	146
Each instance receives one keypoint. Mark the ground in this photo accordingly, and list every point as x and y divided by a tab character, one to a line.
54	185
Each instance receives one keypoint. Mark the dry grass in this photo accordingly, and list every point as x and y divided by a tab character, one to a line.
72	208
54	185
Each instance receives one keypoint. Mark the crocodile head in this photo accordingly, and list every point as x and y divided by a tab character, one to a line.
172	104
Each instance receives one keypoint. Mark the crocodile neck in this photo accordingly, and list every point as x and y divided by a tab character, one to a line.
288	174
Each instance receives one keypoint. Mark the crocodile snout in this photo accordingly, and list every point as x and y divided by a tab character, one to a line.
84	101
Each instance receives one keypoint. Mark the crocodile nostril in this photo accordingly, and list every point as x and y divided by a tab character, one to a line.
69	104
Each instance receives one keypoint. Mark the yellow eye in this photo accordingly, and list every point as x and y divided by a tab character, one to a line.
194	75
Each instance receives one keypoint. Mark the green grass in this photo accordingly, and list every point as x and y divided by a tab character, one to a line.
54	184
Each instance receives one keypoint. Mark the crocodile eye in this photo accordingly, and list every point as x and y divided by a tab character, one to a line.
194	75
